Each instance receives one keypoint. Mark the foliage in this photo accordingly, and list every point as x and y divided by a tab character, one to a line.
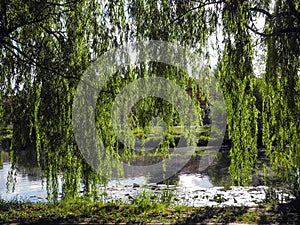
281	100
46	46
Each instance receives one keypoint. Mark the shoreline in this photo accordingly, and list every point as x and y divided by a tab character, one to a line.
82	211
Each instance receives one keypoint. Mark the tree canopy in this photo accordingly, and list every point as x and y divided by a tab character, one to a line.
46	46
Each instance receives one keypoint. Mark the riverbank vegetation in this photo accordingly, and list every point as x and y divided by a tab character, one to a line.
143	210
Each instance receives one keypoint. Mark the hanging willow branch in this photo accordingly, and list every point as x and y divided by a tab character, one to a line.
180	17
33	62
275	33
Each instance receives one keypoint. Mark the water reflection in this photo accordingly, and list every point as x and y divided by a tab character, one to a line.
27	183
26	186
195	178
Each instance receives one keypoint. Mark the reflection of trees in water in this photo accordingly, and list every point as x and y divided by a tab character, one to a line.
27	157
215	166
27	165
173	180
220	176
4	156
218	170
32	173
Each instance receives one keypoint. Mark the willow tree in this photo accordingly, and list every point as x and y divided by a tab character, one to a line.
47	46
41	48
281	93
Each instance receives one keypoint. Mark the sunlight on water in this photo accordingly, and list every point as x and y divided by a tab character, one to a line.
24	188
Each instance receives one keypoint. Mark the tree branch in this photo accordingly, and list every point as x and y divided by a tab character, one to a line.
257	32
265	12
35	20
60	38
10	46
269	15
194	8
275	33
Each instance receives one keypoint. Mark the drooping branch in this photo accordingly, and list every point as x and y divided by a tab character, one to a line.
58	35
195	8
33	62
263	11
7	29
34	21
275	33
269	15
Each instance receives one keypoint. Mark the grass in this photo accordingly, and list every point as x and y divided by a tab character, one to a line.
145	208
173	132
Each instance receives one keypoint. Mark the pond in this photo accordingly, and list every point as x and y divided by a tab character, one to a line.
191	186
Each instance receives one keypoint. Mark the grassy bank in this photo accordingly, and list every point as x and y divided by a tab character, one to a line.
85	211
